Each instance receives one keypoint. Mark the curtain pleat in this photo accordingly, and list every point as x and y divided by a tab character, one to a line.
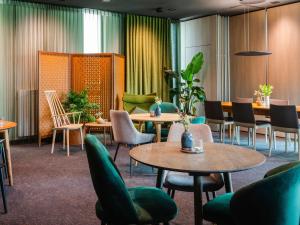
104	31
148	52
25	29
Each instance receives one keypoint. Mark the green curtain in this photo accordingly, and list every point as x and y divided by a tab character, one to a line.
103	31
25	29
148	53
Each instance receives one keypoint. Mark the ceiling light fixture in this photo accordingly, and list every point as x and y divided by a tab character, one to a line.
249	52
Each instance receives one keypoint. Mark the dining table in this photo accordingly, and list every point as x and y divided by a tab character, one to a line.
157	120
259	109
216	158
4	128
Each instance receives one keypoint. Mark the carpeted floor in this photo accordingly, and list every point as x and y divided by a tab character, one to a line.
57	190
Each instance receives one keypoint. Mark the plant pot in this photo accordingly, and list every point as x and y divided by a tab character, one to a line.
75	138
267	101
186	140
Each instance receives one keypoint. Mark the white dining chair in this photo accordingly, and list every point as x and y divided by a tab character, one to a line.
63	121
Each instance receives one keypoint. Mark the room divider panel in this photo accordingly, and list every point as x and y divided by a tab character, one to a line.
102	74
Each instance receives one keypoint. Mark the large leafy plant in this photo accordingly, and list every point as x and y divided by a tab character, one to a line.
79	102
266	89
189	90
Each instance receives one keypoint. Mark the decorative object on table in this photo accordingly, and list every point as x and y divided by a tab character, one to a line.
158	109
79	102
266	91
258	98
186	137
99	119
189	90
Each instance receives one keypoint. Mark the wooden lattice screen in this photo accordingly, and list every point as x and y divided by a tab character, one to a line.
54	74
103	74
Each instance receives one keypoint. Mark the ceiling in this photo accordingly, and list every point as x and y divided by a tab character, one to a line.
175	9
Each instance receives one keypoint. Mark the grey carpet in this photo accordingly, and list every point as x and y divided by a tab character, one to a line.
57	190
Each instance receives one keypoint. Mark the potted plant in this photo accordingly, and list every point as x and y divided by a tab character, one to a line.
186	137
79	102
157	111
188	90
266	90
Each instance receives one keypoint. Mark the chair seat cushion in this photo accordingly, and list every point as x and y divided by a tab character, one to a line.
185	182
152	205
262	122
228	118
71	126
218	210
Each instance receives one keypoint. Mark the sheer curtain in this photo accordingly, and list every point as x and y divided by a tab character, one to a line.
103	31
25	29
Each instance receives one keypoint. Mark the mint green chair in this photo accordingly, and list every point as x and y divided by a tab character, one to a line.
166	107
274	200
117	204
142	102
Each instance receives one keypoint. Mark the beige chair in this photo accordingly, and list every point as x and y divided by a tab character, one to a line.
125	132
182	181
62	120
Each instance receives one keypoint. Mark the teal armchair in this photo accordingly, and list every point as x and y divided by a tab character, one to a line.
166	107
118	204
274	200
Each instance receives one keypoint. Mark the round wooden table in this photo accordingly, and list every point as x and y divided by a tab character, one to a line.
4	127
217	158
95	125
157	120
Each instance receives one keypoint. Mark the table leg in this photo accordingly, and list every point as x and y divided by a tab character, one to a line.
158	132
8	157
104	133
159	179
228	183
198	200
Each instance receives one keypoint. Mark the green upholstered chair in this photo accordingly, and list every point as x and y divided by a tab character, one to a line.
117	204
274	200
143	102
166	107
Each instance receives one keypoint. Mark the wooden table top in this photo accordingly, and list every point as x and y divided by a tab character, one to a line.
4	125
217	157
164	117
255	106
95	124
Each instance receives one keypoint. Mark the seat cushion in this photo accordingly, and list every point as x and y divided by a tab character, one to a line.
218	210
184	182
152	205
262	122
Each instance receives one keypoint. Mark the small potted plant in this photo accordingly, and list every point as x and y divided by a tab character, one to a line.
158	109
186	137
266	90
99	118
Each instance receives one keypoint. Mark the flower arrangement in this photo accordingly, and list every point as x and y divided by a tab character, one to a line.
266	89
185	120
158	100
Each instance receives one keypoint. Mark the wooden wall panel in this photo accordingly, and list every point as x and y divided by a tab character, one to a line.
54	74
284	42
246	73
119	81
94	72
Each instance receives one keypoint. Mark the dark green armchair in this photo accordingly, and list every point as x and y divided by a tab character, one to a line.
274	200
117	204
166	107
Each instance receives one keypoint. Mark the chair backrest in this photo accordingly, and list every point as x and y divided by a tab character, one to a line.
284	116
108	184
213	110
130	101
244	100
199	131
243	113
58	113
274	200
166	107
122	126
274	101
